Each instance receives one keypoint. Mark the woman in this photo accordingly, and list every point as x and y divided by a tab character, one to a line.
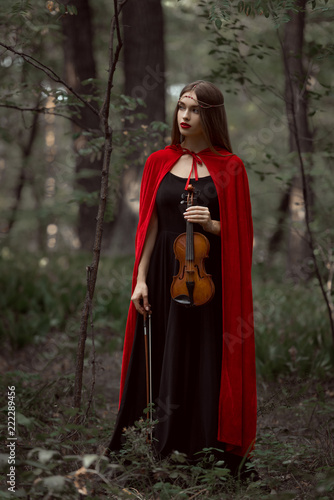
203	361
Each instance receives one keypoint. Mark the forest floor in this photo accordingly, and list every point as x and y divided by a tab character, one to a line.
295	450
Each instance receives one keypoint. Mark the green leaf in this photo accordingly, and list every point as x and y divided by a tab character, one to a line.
141	102
88	81
241	6
22	420
3	459
248	9
72	10
87	460
54	483
87	173
45	456
9	495
218	23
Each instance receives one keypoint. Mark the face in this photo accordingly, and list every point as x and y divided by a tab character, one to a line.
188	115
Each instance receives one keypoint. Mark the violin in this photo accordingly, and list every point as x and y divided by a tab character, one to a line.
192	286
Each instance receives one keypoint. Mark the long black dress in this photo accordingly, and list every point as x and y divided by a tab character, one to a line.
186	342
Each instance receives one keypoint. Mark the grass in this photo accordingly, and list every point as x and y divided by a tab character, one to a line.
54	456
45	294
292	331
57	458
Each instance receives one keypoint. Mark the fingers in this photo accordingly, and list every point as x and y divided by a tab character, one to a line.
146	306
197	214
141	306
141	303
197	210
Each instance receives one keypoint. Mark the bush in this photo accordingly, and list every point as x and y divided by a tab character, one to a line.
292	331
45	294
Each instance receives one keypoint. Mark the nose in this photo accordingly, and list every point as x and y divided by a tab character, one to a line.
185	114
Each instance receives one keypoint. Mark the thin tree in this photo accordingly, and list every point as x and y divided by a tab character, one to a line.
301	142
115	46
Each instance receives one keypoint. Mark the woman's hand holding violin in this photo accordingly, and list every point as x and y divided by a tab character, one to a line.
201	215
140	298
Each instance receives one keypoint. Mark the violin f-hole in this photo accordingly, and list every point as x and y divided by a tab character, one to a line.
191	286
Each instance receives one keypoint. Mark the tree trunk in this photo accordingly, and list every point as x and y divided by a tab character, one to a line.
299	252
296	80
79	66
144	70
25	155
292	202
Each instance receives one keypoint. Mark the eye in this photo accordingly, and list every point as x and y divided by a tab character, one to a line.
180	105
196	111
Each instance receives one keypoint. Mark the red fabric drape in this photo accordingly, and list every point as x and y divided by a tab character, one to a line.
237	404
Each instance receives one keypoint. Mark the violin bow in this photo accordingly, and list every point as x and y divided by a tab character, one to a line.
148	362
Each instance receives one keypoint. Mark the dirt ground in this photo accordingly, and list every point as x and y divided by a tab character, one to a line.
295	415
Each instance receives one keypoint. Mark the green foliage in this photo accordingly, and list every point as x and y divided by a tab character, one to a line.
296	440
44	296
44	293
57	456
291	326
34	303
248	58
223	10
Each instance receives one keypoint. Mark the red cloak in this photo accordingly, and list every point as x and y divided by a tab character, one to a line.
237	402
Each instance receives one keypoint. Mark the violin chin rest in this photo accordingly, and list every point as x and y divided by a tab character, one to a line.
183	299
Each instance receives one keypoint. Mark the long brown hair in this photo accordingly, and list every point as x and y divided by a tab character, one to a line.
214	121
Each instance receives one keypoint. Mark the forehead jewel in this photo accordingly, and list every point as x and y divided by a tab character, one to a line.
202	104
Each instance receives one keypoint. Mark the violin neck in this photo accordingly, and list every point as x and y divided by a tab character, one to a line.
190	241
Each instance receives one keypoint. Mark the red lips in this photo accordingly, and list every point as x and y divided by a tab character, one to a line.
185	125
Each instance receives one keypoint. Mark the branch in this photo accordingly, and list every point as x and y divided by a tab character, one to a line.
250	67
26	150
113	59
305	191
48	111
50	73
320	19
